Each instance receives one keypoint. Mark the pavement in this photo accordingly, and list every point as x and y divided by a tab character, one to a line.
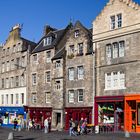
55	135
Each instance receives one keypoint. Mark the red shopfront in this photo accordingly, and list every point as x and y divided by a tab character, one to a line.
39	114
109	112
77	114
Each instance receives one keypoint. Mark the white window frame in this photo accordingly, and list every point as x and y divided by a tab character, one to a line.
80	48
119	20
12	64
48	97
48	56
108	51
7	98
71	74
48	41
2	83
115	80
34	98
57	85
58	64
121	48
71	96
115	50
34	78
80	71
48	76
80	91
112	22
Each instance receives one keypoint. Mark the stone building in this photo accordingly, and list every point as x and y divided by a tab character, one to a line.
79	90
116	42
14	56
46	83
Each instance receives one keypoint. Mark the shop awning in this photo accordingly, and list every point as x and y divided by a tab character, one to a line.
109	98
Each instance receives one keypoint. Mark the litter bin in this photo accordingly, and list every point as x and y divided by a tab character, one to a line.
97	129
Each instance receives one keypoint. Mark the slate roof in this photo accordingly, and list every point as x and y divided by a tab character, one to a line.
26	44
40	46
59	54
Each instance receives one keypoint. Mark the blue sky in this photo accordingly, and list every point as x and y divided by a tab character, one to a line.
34	14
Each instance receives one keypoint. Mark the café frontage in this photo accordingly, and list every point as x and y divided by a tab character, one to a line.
118	113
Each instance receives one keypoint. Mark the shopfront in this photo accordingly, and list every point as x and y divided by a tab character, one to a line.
77	114
8	114
132	113
118	113
109	113
39	114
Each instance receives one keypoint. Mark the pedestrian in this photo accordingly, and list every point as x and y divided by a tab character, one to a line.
49	124
46	125
15	124
70	126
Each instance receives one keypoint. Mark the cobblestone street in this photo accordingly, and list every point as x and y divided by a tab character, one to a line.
40	135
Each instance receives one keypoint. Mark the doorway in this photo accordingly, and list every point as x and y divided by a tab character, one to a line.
58	118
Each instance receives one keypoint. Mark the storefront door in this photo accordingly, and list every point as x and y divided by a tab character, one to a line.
130	116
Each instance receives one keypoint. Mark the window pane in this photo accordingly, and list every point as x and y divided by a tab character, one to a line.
108	51
115	50
71	73
112	18
121	49
119	16
71	96
122	79
80	72
108	80
80	95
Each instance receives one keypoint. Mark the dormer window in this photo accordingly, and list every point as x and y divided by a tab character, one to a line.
48	41
76	33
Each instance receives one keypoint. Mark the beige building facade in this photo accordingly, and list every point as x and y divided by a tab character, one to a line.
116	39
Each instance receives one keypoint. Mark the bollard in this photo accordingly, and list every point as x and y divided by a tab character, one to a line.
19	128
96	129
11	136
127	134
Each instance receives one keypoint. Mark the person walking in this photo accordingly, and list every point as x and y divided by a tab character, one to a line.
15	124
46	125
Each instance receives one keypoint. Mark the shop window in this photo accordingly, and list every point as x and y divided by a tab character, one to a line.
138	114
